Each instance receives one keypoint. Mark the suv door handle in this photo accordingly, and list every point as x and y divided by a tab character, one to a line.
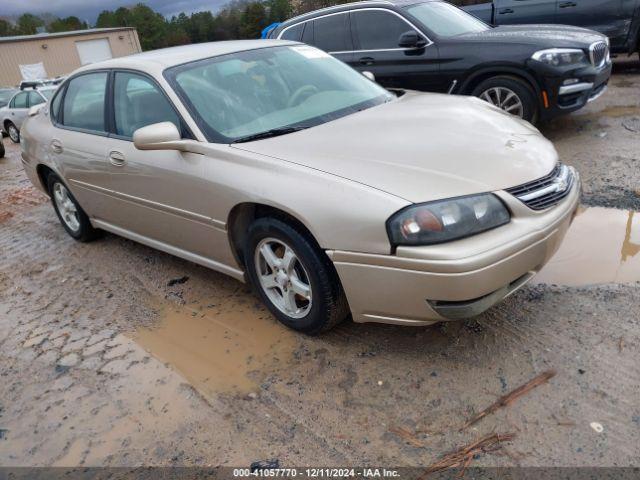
366	61
505	10
568	4
116	158
56	146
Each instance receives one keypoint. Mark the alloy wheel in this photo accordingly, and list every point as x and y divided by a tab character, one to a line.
283	277
505	99
14	135
66	207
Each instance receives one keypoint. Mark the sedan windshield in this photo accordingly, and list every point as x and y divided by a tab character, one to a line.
270	90
445	20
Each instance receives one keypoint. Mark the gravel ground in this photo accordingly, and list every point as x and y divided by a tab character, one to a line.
105	361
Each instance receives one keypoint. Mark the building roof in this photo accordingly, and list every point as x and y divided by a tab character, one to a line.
44	36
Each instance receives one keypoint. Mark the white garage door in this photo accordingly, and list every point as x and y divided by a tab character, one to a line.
92	51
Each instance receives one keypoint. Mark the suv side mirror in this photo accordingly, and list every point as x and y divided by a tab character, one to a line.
411	39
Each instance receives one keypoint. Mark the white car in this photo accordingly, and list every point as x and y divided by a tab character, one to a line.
18	107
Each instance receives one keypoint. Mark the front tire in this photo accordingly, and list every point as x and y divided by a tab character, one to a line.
293	277
71	215
509	94
14	133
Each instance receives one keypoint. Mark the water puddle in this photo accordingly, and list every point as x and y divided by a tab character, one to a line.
602	246
217	350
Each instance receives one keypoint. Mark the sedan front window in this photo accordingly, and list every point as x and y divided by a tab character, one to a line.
246	93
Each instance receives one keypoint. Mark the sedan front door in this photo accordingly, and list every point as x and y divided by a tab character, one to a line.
162	195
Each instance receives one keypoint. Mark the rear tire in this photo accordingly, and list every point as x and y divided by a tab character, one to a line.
293	277
1	149
71	215
509	94
14	133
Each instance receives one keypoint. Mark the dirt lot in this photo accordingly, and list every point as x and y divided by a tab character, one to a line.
104	360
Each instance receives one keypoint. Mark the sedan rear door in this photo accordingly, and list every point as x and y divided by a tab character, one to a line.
18	109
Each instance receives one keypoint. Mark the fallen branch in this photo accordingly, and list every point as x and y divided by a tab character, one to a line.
407	435
463	456
511	397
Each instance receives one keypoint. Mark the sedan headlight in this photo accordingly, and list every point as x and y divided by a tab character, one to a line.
446	220
560	57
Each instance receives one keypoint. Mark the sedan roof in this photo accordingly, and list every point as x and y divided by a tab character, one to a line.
158	60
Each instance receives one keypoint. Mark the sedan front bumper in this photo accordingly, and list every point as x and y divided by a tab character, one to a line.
424	285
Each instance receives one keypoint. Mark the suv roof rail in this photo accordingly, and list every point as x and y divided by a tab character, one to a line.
336	7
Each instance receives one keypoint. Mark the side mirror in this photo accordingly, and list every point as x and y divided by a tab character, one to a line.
158	136
369	75
33	111
411	39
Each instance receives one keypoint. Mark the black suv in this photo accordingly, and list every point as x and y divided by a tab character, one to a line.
533	71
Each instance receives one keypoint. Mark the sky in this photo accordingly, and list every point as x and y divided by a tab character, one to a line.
88	10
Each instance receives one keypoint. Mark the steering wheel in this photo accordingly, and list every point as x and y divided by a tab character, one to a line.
297	96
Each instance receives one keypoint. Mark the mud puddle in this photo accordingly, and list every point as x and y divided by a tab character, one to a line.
219	351
602	246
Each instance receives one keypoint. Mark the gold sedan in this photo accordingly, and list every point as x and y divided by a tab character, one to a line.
279	165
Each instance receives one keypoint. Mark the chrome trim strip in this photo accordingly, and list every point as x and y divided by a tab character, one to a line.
605	58
217	224
597	95
334	7
576	87
362	10
562	178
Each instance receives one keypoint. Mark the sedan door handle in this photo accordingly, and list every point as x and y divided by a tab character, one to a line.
366	61
56	146
568	5
116	158
505	10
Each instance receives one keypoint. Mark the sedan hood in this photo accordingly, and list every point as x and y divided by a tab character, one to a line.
542	36
421	147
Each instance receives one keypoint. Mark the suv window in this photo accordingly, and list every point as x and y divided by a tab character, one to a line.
294	33
84	102
19	101
377	30
331	33
138	102
35	98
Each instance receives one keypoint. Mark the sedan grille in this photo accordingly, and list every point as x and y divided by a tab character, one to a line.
599	54
547	191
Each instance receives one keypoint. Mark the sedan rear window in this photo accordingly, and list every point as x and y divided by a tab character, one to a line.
84	102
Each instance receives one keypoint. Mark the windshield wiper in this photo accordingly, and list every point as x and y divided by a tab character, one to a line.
274	132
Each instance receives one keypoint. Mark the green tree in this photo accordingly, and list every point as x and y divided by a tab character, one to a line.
6	29
279	10
67	24
28	24
151	26
253	20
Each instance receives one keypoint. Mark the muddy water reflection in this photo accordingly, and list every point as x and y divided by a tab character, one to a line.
602	246
219	351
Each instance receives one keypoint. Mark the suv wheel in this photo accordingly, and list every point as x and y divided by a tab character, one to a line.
74	220
509	94
14	133
293	277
